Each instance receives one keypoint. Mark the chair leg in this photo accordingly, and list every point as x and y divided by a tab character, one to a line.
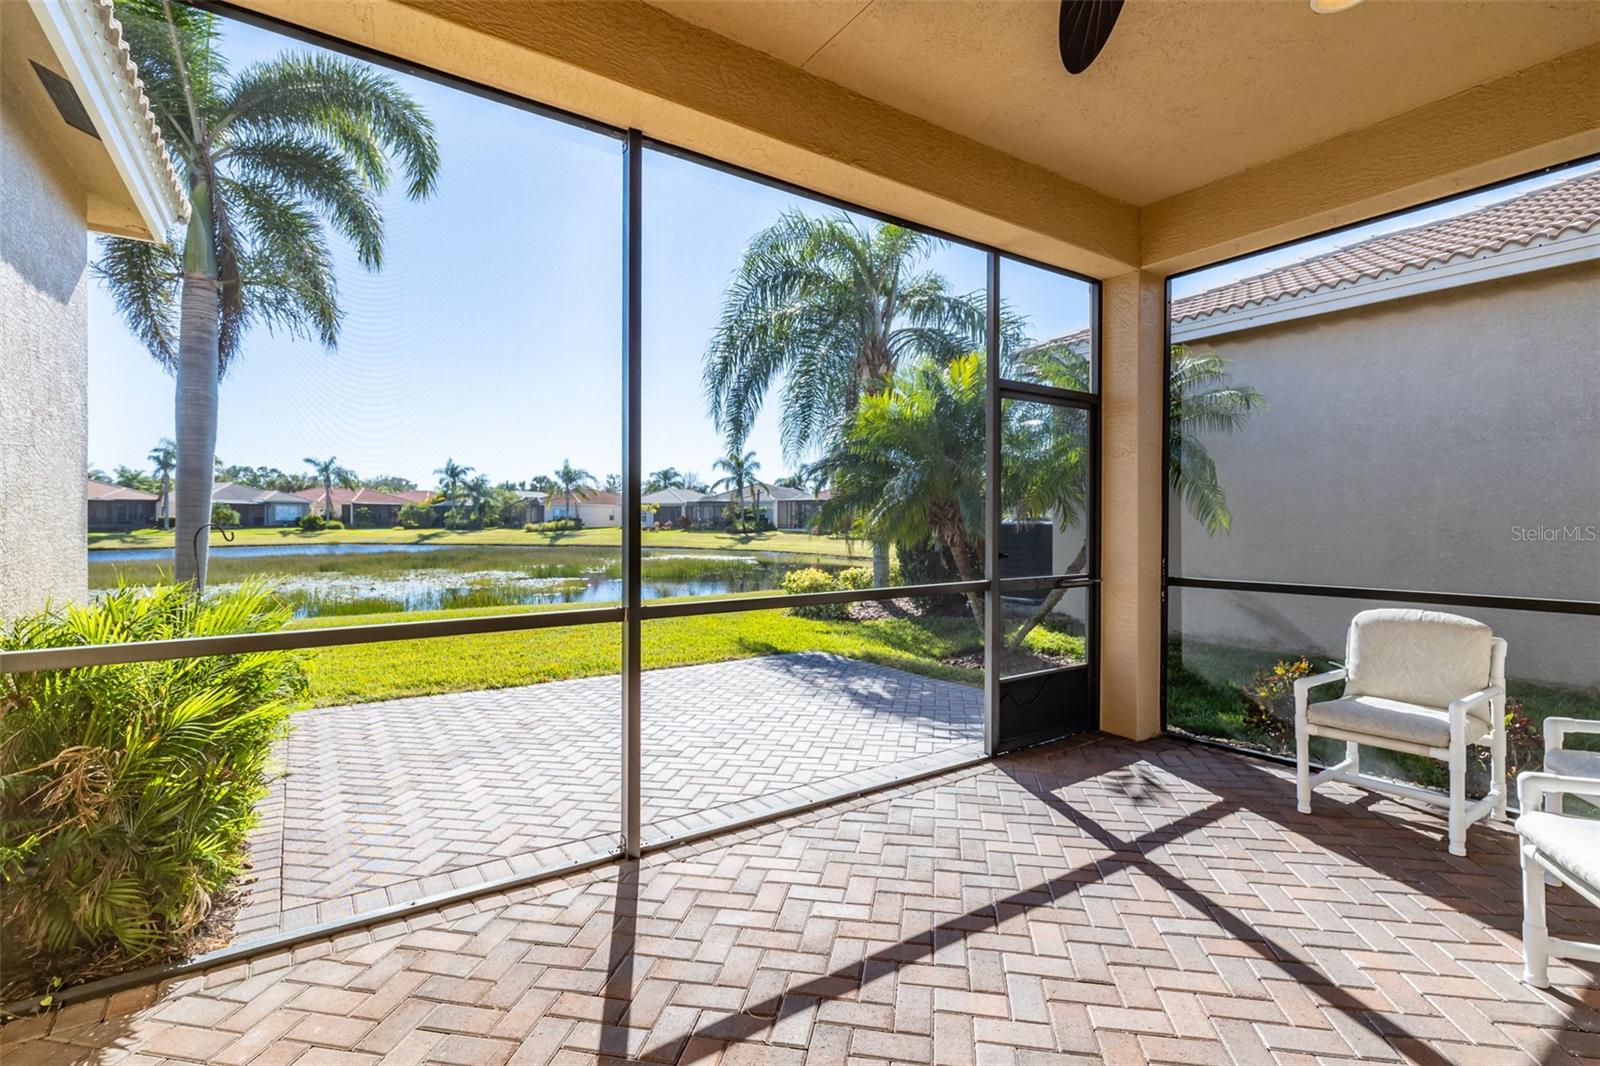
1302	755
1458	793
1535	936
1352	755
1497	760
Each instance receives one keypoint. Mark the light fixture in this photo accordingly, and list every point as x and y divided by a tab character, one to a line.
1332	7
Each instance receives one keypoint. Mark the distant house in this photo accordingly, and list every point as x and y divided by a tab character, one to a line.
259	507
784	507
119	507
362	507
670	505
532	506
593	508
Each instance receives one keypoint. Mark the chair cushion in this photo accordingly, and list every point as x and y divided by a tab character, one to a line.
1573	763
1412	723
1571	843
1423	657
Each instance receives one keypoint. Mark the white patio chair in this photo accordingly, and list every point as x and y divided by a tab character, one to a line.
1559	760
1564	848
1422	682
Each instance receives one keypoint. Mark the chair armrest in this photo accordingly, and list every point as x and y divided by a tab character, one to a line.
1556	729
1458	708
1304	685
1534	785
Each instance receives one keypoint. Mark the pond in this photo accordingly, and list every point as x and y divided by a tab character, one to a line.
323	580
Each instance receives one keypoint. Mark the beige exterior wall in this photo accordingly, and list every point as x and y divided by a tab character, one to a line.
43	372
1419	443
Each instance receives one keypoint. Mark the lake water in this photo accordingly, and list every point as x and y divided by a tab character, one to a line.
324	580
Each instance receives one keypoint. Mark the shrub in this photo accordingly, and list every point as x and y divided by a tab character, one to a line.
415	515
333	523
810	579
1269	698
559	525
312	523
855	578
127	791
223	515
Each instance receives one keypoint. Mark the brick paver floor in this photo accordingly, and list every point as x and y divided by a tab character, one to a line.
1094	902
387	802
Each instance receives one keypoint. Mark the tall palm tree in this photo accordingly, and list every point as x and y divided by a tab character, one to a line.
480	495
740	468
451	474
164	458
905	464
569	479
274	156
328	471
830	308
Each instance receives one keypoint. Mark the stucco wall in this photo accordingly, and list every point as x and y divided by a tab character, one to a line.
43	374
1422	443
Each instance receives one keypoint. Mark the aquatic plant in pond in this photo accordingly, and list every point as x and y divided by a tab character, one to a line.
325	584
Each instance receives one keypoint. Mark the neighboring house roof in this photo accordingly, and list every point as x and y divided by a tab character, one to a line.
415	495
1570	207
361	497
87	40
672	496
230	492
768	492
599	498
99	490
528	494
1548	227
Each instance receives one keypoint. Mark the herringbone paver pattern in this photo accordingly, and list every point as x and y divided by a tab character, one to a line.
1092	902
387	802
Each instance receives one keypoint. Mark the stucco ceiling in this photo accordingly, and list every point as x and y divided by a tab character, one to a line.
1184	93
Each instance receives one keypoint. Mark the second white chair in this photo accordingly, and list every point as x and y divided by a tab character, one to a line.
1422	682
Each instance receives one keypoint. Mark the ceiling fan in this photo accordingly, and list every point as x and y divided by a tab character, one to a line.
1086	26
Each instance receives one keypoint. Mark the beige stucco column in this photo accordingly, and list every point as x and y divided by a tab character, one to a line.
1131	372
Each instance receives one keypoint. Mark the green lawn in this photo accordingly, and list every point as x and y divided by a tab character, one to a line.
800	543
365	672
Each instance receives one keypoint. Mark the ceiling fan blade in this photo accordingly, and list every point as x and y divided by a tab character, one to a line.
1085	27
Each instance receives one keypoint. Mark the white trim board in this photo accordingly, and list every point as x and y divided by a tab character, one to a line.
79	41
1486	266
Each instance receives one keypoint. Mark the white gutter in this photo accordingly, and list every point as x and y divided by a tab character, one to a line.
1486	266
88	41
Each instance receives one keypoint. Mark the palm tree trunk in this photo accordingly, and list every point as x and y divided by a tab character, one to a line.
1049	603
195	418
880	563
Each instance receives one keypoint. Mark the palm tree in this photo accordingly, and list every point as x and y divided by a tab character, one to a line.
328	471
668	478
905	465
274	155
451	474
164	457
569	479
831	308
480	494
740	468
1204	399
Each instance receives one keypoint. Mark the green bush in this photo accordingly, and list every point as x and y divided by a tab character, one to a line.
415	516
854	579
810	579
127	791
559	525
333	523
312	523
223	515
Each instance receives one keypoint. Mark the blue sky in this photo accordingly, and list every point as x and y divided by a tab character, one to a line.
491	335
